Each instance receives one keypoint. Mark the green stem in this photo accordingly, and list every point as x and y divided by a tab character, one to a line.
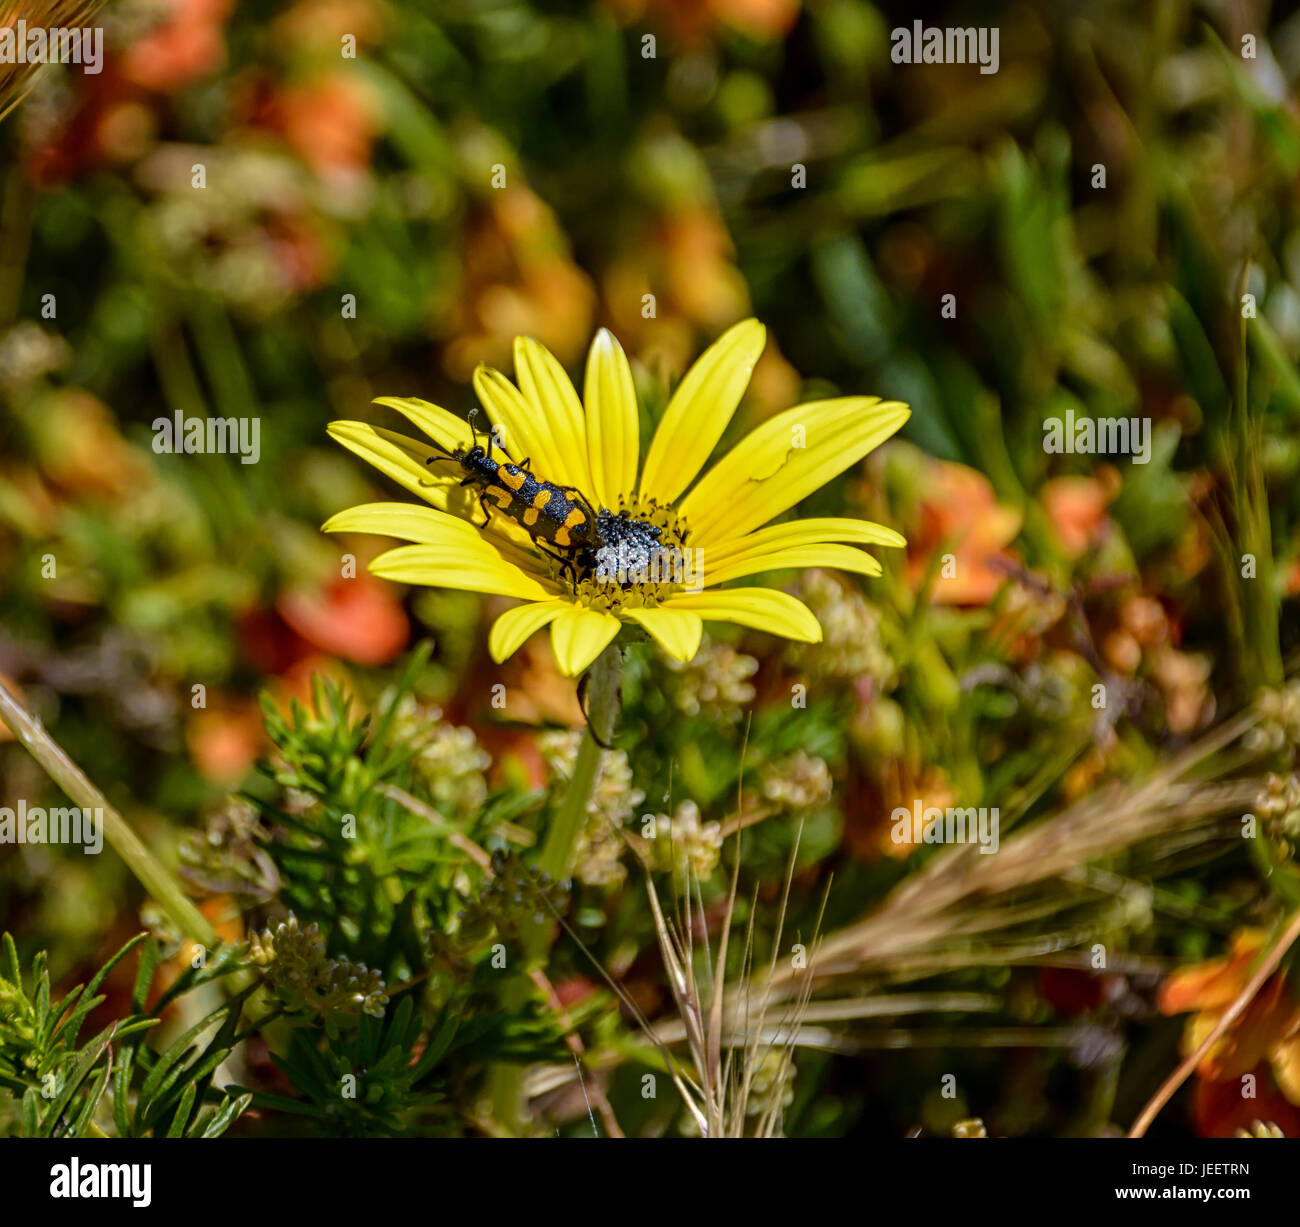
152	874
556	859
561	844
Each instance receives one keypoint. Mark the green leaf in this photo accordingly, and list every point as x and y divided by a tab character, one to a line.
121	1091
181	1119
225	1116
144	976
85	1062
31	1112
176	1052
78	1126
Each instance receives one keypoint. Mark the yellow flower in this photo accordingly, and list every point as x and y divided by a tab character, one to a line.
697	540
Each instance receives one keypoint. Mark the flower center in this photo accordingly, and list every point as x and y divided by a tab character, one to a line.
638	559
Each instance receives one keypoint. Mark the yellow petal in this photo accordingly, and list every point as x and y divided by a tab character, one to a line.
764	609
405	461
700	410
528	563
550	392
525	431
428	526
579	636
406	521
516	625
441	425
677	631
841	557
613	435
785	460
812	531
474	567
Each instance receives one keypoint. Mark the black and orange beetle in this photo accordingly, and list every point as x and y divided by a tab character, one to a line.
553	515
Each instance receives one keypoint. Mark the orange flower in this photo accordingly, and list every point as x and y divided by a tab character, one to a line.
869	828
81	450
1293	578
186	47
225	739
329	121
1266	1030
1216	983
360	619
540	693
1144	640
316	27
1076	507
519	280
1219	1110
683	256
701	21
222	912
959	515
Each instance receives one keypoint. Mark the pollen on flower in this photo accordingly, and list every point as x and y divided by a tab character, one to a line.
627	547
638	560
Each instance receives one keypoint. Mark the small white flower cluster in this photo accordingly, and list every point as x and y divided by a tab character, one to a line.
683	841
716	683
450	760
851	645
613	801
797	782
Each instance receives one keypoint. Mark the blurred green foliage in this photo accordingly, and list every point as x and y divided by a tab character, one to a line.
1098	209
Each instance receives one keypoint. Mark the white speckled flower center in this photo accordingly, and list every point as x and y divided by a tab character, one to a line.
640	559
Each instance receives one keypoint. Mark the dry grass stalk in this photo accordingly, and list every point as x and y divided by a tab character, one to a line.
926	923
728	1033
719	1096
1266	968
17	80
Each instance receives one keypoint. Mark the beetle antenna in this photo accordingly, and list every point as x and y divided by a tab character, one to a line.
473	413
447	453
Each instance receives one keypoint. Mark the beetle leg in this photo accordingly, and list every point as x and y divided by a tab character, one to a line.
582	706
568	569
447	456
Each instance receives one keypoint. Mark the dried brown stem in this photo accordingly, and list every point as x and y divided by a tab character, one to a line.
1229	1016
